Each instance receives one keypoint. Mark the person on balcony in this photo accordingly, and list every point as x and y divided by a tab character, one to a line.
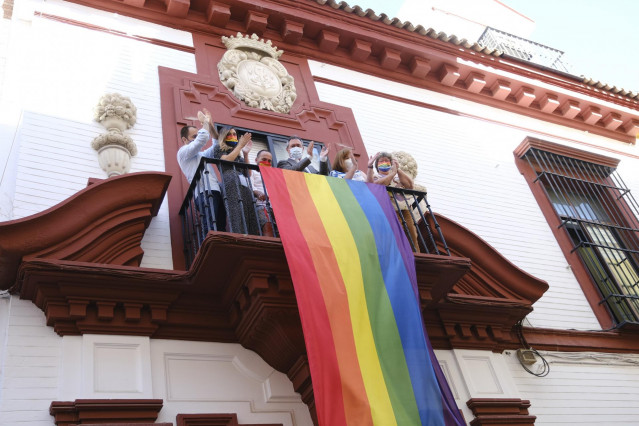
301	161
383	169
345	166
264	213
237	192
188	157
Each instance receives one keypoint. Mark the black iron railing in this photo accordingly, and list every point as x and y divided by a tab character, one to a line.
525	49
198	211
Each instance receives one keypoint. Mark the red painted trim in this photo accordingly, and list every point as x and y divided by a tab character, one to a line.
215	420
183	94
103	223
589	157
319	20
445	110
613	341
92	27
500	411
109	411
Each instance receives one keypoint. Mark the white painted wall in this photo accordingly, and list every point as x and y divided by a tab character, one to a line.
196	377
468	166
584	388
55	88
476	374
30	359
37	367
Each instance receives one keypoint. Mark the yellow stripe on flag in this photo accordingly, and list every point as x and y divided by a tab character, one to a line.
348	260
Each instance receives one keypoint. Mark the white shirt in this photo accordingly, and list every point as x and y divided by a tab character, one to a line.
189	156
256	181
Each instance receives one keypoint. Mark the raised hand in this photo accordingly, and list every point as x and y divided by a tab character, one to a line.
245	141
371	160
394	167
207	115
324	152
353	162
309	150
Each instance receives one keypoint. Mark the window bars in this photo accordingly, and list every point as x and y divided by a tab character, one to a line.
198	216
599	214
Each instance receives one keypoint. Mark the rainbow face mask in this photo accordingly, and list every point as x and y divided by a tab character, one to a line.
265	163
384	167
231	140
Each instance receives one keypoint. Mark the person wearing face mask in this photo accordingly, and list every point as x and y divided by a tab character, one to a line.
238	196
345	166
301	161
264	214
384	170
188	156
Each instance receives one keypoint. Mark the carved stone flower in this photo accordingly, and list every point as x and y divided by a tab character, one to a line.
114	105
407	163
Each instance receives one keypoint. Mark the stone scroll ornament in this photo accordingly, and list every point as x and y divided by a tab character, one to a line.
251	70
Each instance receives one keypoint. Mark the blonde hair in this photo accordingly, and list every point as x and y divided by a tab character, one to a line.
340	158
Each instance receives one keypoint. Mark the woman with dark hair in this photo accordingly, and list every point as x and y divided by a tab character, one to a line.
345	166
237	192
384	170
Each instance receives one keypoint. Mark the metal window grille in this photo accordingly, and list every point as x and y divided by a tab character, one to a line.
599	214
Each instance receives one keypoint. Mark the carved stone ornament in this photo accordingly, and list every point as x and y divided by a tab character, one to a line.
116	113
251	70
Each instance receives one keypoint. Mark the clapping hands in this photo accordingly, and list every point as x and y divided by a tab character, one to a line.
324	153
245	142
372	159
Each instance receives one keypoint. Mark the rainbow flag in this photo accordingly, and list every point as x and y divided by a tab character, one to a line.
354	276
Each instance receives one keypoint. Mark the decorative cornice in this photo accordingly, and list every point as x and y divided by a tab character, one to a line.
103	223
503	293
111	411
615	341
214	420
500	411
565	151
345	39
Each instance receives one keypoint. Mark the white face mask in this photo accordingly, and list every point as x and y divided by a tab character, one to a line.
296	152
348	163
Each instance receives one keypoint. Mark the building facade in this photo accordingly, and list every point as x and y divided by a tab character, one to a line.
529	171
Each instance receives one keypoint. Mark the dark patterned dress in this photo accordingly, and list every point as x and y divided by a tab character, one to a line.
238	198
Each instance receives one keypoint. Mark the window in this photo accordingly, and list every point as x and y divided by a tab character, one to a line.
276	145
596	211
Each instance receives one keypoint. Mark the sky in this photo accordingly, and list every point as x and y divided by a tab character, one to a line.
599	38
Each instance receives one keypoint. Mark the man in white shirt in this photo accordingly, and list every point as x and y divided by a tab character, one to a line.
188	157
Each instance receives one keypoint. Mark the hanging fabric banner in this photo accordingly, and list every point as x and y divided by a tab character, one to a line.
354	276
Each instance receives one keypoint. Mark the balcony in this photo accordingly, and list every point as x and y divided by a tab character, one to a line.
84	274
198	216
524	49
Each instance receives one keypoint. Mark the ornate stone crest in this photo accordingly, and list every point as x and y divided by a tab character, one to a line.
251	70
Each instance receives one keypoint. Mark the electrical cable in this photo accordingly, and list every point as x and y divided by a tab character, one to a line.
546	367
